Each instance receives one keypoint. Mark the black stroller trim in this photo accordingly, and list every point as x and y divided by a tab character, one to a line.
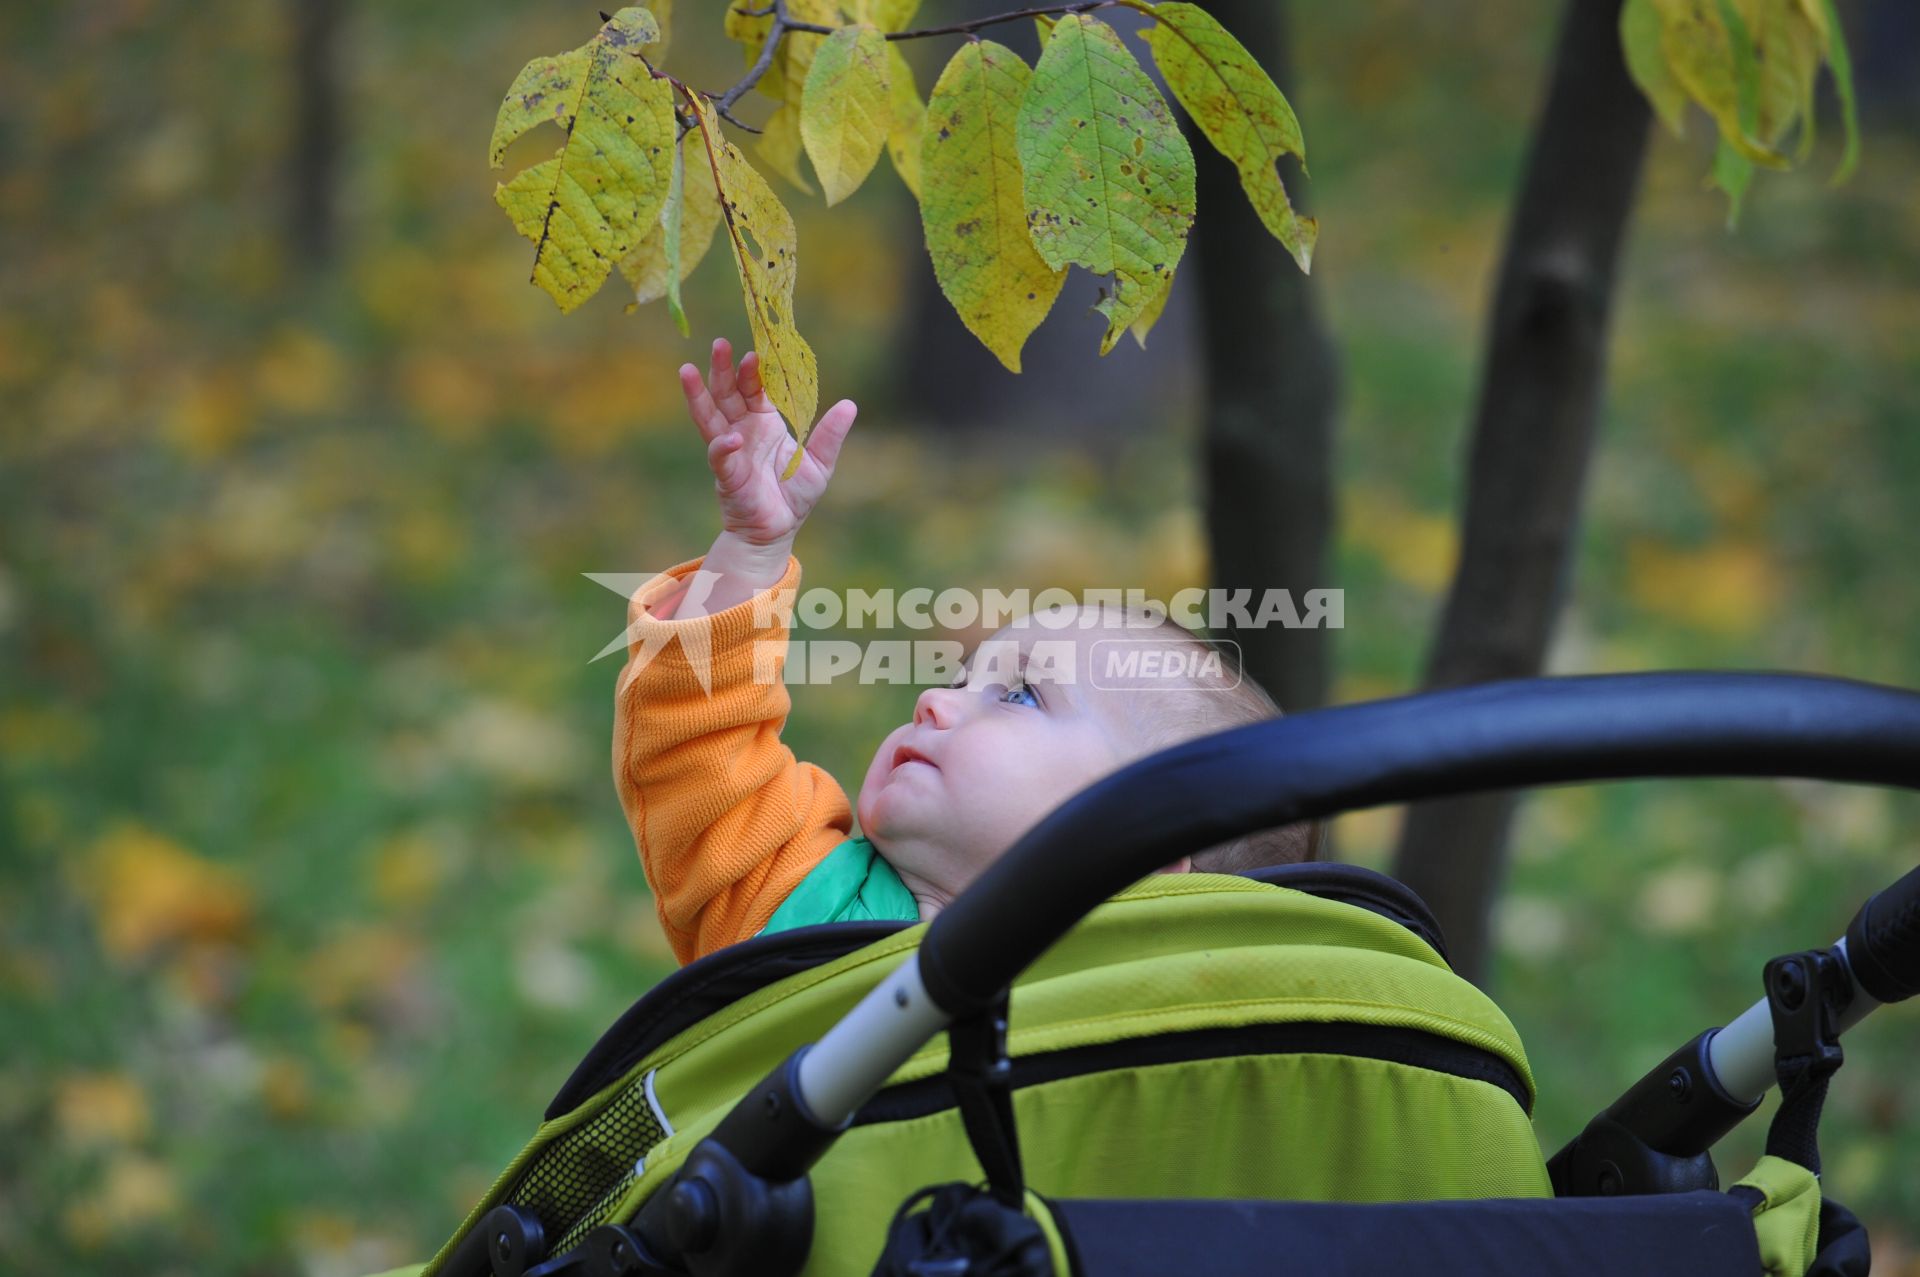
1703	1234
1462	740
703	987
720	979
1365	888
1392	1044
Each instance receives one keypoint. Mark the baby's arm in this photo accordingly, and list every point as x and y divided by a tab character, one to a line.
725	820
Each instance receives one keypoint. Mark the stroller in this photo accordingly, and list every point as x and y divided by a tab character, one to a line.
1216	1074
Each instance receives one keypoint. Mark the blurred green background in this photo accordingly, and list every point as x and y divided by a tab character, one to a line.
312	881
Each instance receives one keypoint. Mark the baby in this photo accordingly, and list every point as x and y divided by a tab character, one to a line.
738	838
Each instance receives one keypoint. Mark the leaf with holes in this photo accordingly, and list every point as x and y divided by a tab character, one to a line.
586	208
972	207
846	110
1108	176
765	254
1239	109
696	215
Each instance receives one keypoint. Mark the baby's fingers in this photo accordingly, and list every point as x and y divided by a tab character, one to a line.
726	394
726	457
700	404
831	431
752	391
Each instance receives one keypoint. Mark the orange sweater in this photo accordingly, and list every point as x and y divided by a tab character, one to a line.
726	821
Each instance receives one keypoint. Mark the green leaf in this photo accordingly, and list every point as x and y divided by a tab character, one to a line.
1640	43
909	118
670	219
1840	62
697	216
846	110
1732	173
1044	25
766	256
779	145
588	207
1108	176
1239	109
971	204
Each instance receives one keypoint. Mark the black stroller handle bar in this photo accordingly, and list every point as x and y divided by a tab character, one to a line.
1436	744
1494	736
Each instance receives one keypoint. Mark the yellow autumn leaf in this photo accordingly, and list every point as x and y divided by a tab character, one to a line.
1647	64
1727	587
546	89
909	118
780	145
972	207
794	58
1239	109
749	30
662	11
765	254
646	266
1151	315
1789	45
1108	176
1709	61
131	1192
148	891
846	109
887	15
586	208
96	1109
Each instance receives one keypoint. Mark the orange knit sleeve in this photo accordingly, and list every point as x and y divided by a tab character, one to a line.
725	820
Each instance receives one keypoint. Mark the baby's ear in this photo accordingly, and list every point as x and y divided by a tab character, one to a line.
1184	865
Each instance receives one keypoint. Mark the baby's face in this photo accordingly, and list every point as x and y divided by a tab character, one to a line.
982	762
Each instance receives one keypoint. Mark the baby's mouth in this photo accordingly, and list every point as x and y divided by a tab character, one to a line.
907	754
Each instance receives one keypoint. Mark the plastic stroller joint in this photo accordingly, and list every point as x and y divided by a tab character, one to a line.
1806	993
1655	1137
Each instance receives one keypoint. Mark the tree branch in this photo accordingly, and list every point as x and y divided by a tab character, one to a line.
1532	440
783	26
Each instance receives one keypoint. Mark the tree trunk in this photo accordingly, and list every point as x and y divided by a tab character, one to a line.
1532	438
312	230
1271	381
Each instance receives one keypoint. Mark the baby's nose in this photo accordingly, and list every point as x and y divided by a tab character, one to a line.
937	707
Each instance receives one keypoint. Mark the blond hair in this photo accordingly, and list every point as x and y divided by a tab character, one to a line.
1226	697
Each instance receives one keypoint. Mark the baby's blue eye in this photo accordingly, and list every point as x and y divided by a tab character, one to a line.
1021	694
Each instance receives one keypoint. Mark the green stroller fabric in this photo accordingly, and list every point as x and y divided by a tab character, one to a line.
1197	1036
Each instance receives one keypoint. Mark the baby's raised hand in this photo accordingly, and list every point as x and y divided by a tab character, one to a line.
748	449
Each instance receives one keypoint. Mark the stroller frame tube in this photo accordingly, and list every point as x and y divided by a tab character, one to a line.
853	1059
